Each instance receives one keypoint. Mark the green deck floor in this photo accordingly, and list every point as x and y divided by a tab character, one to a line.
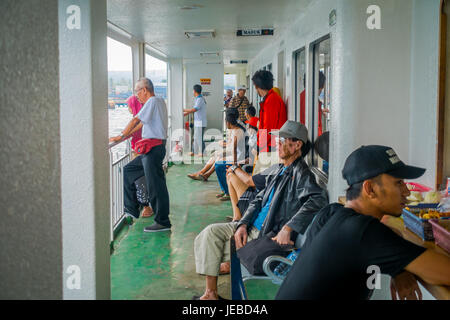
161	265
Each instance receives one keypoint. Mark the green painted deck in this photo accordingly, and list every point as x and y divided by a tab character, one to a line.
160	266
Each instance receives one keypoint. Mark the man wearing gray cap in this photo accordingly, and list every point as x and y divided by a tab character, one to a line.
240	102
285	207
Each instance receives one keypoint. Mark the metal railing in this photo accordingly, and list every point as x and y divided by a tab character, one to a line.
116	183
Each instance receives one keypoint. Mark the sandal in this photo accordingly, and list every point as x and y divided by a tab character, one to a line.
220	195
203	177
195	177
225	198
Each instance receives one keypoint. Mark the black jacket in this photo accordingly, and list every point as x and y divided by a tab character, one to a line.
296	200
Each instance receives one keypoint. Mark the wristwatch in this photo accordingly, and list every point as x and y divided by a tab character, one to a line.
122	135
234	167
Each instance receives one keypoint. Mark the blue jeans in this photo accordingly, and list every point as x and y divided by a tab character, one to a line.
221	171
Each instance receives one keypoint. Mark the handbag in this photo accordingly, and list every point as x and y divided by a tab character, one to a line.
145	145
253	254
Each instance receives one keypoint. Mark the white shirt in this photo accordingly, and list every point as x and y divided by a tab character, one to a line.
154	117
200	114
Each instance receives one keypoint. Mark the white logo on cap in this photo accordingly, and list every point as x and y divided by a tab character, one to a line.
391	152
392	156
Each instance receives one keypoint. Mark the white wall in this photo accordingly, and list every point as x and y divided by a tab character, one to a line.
195	72
84	150
374	99
424	87
176	94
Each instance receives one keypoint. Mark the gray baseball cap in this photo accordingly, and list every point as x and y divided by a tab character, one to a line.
292	129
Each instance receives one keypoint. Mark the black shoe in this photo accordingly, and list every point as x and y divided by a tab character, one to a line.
156	227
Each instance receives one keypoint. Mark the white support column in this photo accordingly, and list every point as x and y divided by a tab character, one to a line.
84	149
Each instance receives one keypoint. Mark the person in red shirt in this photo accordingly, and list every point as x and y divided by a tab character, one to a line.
272	114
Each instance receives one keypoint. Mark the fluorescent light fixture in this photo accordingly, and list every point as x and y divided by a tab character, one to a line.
214	62
200	34
192	7
209	54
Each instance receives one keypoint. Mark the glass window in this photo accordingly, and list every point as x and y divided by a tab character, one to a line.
120	88
300	86
156	71
229	82
321	111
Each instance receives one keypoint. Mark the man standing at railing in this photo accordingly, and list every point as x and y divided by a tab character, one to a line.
153	120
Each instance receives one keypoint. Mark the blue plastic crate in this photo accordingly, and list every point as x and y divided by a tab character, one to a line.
421	227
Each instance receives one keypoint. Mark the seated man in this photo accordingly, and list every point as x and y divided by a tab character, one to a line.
346	243
286	206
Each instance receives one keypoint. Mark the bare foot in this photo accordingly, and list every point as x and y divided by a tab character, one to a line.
147	212
210	295
224	268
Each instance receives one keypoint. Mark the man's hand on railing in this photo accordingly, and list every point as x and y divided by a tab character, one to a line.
115	139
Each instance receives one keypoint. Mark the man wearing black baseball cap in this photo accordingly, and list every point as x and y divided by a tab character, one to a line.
346	245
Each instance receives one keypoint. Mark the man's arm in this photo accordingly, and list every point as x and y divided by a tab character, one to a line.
316	199
432	267
189	111
128	129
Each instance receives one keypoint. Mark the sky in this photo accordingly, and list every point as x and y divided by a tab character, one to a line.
120	58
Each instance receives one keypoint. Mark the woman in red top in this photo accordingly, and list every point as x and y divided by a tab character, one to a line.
272	114
134	106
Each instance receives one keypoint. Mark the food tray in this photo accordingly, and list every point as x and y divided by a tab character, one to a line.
421	227
441	234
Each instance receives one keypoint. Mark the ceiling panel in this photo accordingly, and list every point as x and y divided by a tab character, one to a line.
161	23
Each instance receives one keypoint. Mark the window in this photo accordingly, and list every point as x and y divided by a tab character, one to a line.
321	107
229	82
120	88
156	71
300	86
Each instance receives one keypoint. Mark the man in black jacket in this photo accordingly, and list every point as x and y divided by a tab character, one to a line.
286	207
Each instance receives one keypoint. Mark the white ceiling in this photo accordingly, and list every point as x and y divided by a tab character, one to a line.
161	23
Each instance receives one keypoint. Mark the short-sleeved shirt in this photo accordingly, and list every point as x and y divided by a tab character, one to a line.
241	104
200	114
153	115
335	263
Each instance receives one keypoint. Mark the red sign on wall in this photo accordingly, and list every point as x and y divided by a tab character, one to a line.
205	81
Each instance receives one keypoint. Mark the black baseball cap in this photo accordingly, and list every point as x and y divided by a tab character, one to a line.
368	162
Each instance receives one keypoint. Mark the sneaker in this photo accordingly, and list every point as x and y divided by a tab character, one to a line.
156	227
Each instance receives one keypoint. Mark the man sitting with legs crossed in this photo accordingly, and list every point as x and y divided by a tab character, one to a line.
286	207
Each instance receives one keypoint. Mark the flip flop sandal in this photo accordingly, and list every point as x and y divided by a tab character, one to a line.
225	198
203	177
220	195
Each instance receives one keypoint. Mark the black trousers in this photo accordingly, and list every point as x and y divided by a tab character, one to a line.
150	165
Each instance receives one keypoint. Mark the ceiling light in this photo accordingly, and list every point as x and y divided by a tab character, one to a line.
209	54
200	34
192	7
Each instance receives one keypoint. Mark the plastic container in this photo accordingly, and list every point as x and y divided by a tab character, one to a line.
282	269
419	187
441	234
421	227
